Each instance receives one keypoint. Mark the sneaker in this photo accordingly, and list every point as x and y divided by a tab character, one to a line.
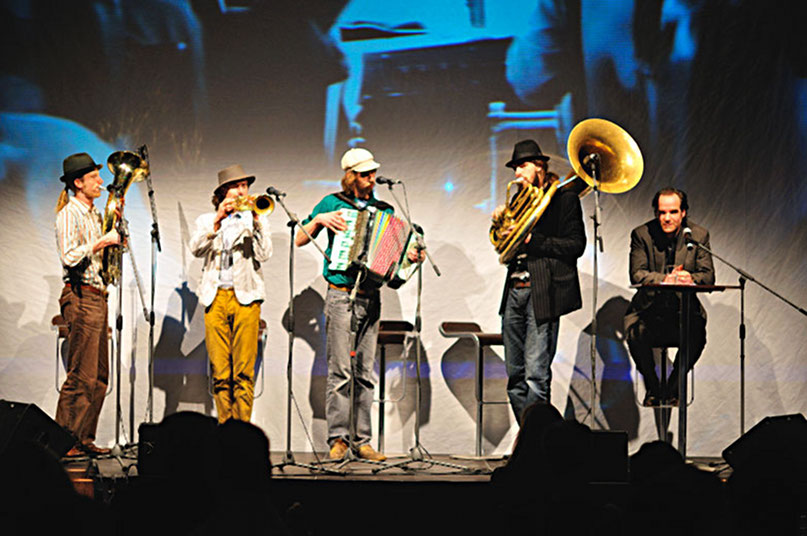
369	453
338	450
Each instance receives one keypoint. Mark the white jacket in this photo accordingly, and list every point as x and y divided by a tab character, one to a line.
252	246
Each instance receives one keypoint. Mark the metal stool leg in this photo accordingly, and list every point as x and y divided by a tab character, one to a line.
480	378
382	376
664	416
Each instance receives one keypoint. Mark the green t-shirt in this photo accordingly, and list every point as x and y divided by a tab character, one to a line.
333	202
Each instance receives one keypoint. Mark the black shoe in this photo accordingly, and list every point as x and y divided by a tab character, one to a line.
672	400
651	400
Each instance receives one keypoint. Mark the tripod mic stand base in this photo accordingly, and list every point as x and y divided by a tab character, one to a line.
418	454
289	461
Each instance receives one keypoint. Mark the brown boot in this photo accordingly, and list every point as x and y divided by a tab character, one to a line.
338	450
369	453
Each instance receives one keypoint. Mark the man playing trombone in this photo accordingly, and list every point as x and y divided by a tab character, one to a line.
542	282
233	243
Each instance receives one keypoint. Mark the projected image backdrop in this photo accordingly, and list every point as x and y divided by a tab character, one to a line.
713	92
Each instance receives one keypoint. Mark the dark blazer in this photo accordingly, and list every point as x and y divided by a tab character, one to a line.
558	240
647	260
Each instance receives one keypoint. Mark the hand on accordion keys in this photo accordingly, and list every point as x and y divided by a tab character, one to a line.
332	220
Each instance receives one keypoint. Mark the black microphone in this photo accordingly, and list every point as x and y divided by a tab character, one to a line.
591	163
385	180
271	190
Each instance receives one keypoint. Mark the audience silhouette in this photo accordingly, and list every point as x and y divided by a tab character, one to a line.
203	478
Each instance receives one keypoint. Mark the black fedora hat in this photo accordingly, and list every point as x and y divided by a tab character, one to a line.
526	150
77	165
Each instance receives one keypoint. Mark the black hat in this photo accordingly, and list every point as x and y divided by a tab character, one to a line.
77	165
526	150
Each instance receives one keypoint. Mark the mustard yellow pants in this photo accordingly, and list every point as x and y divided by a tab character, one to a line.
231	337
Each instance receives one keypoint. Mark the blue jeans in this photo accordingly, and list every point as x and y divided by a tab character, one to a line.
337	349
529	348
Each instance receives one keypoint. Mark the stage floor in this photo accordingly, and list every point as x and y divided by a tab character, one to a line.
308	466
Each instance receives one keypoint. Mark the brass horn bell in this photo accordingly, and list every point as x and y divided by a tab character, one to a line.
621	163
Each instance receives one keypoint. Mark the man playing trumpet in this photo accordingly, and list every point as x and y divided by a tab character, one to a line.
233	244
542	282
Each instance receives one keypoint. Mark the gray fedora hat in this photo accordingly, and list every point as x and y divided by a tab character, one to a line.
77	165
232	174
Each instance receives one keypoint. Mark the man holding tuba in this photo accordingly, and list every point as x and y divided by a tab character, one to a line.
542	282
233	244
83	304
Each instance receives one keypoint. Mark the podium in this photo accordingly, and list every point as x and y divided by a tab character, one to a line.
686	291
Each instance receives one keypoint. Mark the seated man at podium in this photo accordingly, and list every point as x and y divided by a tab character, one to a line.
659	255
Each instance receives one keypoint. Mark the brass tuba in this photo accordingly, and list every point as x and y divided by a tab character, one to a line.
620	169
127	167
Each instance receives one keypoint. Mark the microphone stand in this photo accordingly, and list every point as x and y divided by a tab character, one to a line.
594	169
155	247
351	455
288	457
418	454
123	230
743	277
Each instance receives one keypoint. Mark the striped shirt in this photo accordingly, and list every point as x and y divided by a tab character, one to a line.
78	227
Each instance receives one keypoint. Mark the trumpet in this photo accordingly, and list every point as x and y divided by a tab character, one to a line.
259	204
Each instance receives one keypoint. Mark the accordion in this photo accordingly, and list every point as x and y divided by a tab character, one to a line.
377	241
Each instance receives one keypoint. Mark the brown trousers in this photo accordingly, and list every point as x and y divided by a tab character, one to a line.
231	337
84	388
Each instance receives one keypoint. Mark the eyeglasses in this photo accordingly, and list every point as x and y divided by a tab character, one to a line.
365	174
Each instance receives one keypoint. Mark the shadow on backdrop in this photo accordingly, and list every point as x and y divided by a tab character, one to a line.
182	375
617	403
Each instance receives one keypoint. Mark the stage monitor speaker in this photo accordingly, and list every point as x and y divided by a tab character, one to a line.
777	437
149	459
26	422
608	456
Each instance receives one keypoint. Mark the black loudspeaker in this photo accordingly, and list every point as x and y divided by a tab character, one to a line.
149	457
780	437
26	422
609	456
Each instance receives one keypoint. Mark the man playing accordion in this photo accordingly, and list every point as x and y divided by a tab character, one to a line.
357	194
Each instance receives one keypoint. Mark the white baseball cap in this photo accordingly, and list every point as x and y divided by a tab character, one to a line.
358	159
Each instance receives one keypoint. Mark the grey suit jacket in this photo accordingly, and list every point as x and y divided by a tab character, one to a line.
648	257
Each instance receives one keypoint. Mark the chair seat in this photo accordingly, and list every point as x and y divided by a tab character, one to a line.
60	324
393	331
490	339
